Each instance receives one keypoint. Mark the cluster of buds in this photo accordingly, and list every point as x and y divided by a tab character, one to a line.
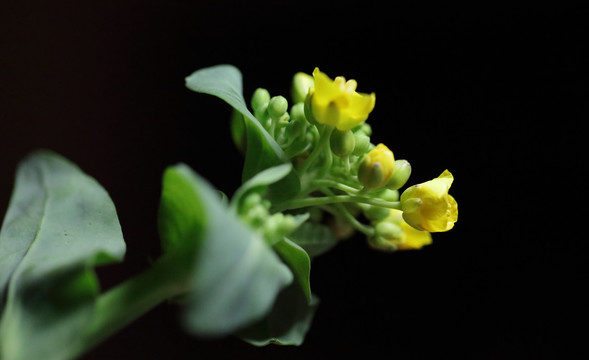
254	211
326	136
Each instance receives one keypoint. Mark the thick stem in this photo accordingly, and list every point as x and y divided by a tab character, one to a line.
126	302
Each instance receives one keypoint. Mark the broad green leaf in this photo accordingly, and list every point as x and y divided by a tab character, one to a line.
262	151
299	263
236	275
288	322
314	238
59	225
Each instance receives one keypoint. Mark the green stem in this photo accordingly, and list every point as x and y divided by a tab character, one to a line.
320	183
367	230
325	200
322	146
126	302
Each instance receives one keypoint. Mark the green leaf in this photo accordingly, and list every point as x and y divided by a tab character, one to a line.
236	275
59	225
182	216
262	180
298	261
288	322
314	238
238	130
262	151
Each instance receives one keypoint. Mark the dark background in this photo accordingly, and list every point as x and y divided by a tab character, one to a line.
493	93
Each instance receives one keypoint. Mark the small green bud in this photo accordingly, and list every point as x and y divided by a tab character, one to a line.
362	144
342	142
363	128
250	201
277	107
277	226
377	213
371	175
309	109
301	83
400	175
294	129
257	216
387	236
388	195
287	225
297	113
388	230
260	98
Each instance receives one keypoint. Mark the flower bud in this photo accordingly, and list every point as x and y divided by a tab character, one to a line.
277	107
388	230
377	167
400	175
309	108
342	142
376	213
362	144
393	233
297	123
301	83
364	128
387	194
387	236
260	98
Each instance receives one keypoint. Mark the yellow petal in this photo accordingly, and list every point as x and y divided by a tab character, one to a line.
414	239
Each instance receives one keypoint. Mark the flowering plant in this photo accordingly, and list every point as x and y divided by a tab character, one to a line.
311	177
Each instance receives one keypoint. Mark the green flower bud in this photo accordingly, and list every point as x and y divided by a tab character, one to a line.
400	175
301	83
388	195
342	142
278	226
277	107
309	108
294	129
260	98
298	123
251	200
387	236
297	113
363	128
388	230
362	144
376	213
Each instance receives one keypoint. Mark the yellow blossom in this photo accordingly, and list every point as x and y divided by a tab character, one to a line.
377	167
336	102
428	206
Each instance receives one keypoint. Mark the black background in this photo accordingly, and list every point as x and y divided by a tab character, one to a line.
493	93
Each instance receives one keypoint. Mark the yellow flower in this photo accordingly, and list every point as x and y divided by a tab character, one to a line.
377	167
414	239
428	206
336	102
393	233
